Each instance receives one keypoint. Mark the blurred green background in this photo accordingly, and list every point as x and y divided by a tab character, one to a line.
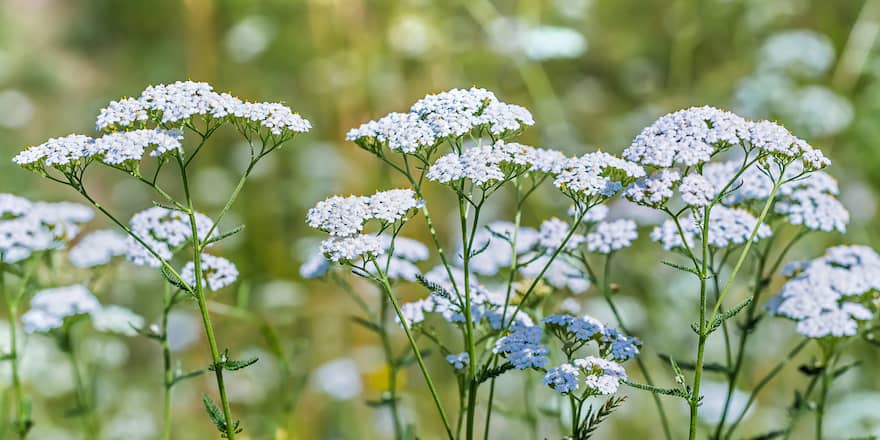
593	72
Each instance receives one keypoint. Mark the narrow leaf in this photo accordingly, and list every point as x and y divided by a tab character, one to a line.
724	316
223	235
675	392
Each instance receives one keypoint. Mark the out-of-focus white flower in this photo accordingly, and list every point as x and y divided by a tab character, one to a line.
714	396
16	108
799	52
249	38
117	319
49	307
98	248
340	379
217	272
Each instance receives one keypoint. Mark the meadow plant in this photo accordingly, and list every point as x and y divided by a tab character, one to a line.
157	125
736	196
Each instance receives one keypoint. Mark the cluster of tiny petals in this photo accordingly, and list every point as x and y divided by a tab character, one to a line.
163	230
693	136
523	347
345	216
27	227
697	191
459	361
129	146
57	152
563	378
351	248
445	115
612	236
828	296
687	137
596	174
602	376
487	164
727	227
403	132
174	104
217	272
457	112
654	190
49	307
98	248
611	343
552	234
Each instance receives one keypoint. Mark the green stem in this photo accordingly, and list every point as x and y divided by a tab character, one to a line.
386	286
199	292
86	408
698	368
166	363
392	368
467	242
22	421
825	384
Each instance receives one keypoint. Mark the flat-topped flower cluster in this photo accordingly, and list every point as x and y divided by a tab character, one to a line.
154	122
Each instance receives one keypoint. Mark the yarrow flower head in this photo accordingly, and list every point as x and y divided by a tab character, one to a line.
596	176
49	307
831	295
654	190
490	164
27	227
65	153
124	149
163	230
172	105
727	227
98	248
459	361
346	216
352	248
118	320
523	347
612	236
576	331
439	117
217	272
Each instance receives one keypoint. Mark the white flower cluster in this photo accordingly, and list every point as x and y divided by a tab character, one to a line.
400	265
489	164
163	230
693	136
344	218
118	320
434	118
121	149
596	175
27	227
697	191
50	307
175	104
601	376
809	200
654	190
98	248
612	236
217	272
611	343
523	347
831	295
727	227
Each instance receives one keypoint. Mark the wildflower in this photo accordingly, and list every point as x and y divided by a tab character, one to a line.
459	361
727	227
489	164
345	216
126	148
163	230
98	248
49	307
825	296
582	329
814	210
217	272
352	248
612	236
64	153
523	348
456	112
804	52
403	132
116	319
654	190
563	379
601	375
340	379
27	227
315	266
561	274
697	191
596	175
552	233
